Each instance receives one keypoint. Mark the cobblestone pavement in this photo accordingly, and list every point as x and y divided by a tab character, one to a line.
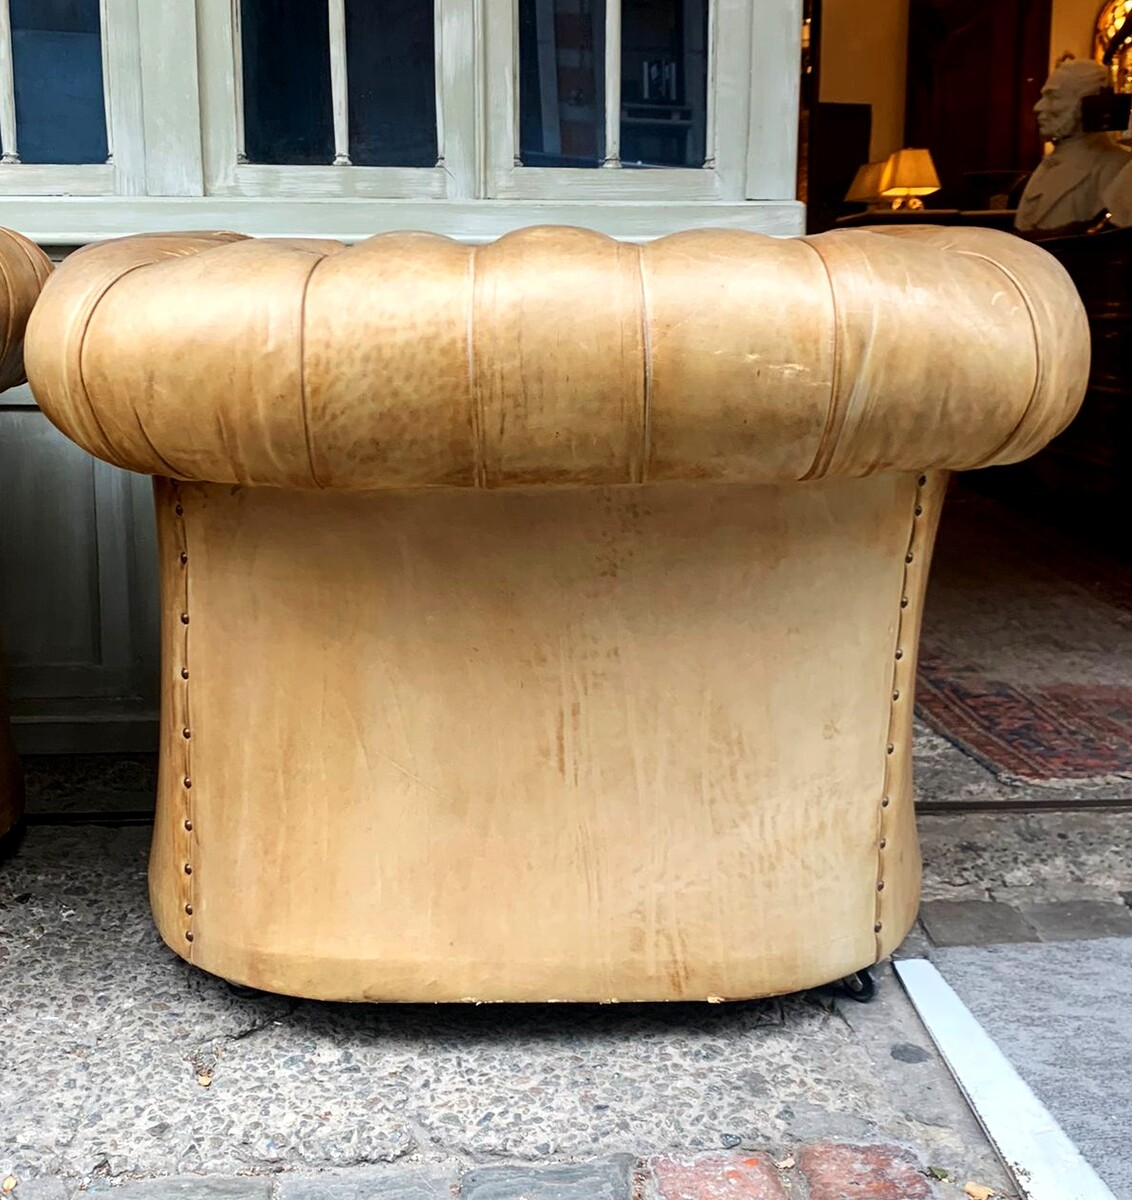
120	1066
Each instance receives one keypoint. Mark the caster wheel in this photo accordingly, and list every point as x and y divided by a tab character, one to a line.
861	985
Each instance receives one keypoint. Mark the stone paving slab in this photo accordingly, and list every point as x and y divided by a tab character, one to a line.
611	1179
105	1037
1053	855
1074	920
823	1170
975	923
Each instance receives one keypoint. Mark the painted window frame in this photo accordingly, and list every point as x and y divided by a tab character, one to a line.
123	174
175	157
225	174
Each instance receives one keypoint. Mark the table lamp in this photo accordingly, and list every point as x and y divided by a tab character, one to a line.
907	176
865	188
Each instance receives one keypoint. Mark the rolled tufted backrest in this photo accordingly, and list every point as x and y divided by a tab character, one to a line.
559	356
24	269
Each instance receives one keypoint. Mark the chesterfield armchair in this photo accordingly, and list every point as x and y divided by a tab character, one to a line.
23	271
540	618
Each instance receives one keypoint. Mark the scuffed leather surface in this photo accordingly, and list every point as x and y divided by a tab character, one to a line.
559	356
24	269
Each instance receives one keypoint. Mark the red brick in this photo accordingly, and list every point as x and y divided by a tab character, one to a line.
716	1177
842	1172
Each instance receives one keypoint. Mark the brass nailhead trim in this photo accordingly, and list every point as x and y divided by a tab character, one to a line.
890	747
186	732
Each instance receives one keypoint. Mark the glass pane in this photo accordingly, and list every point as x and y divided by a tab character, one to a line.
562	83
664	83
286	51
391	77
57	71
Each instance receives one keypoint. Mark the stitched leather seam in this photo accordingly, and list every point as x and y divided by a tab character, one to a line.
835	413
92	411
1039	362
476	415
642	472
303	415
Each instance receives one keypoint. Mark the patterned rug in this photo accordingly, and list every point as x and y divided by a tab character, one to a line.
1026	658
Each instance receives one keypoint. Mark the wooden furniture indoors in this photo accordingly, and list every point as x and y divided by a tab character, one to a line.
23	271
541	616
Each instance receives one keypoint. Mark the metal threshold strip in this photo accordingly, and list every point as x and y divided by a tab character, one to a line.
1043	1162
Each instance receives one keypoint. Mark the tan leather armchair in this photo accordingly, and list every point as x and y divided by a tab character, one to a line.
541	617
23	271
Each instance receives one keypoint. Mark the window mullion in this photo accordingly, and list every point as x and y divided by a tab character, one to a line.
339	84
7	90
612	84
171	107
459	107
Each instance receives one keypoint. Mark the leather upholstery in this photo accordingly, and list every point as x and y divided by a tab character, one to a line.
540	618
558	356
24	269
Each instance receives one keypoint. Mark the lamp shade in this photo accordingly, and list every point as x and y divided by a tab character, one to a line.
909	173
865	187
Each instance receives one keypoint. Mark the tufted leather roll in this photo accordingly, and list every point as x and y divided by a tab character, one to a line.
558	357
540	618
24	269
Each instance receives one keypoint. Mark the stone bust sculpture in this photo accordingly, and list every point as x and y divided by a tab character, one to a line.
1071	185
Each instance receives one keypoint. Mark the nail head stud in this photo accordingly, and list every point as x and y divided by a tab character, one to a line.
188	910
186	733
184	672
184	618
188	935
188	868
